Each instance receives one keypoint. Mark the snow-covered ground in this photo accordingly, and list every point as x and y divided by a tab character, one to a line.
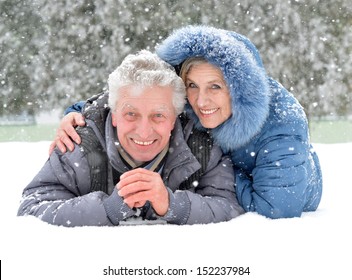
315	246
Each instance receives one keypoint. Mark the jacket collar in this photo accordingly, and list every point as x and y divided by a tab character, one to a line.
180	162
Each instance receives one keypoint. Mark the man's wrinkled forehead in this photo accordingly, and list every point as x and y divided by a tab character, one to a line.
133	98
128	105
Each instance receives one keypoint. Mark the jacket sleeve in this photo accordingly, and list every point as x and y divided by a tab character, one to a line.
60	194
277	187
211	200
77	107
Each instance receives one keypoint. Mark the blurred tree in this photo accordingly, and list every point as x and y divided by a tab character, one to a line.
56	52
17	50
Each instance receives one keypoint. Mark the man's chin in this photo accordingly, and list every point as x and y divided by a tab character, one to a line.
144	158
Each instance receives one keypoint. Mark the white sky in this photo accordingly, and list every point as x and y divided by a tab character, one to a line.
315	246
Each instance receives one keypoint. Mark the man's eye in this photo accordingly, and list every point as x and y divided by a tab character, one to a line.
159	117
130	115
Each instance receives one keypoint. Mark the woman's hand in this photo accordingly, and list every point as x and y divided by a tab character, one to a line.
66	133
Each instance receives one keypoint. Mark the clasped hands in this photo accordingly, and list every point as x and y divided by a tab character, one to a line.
140	185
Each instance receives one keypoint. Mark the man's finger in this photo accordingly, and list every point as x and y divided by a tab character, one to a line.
135	198
133	188
135	171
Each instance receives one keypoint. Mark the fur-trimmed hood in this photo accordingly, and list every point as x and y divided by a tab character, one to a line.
243	70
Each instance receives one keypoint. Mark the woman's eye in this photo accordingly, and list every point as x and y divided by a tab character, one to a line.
191	85
215	86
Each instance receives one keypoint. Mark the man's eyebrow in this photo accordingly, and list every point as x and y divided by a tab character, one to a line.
162	108
157	108
127	106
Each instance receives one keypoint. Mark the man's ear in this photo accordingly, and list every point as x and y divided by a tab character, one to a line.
113	119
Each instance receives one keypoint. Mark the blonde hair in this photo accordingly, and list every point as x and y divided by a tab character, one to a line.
188	63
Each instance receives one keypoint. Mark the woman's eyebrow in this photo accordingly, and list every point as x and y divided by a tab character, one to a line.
214	81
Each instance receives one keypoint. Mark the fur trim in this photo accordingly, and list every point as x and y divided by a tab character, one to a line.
243	71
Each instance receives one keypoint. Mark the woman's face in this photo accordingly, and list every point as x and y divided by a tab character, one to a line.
208	94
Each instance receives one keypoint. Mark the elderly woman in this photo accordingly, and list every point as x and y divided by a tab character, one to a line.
251	116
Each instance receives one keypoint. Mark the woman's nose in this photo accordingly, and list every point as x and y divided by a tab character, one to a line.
202	99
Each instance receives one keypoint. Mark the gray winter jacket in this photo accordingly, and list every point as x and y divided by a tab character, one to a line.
60	193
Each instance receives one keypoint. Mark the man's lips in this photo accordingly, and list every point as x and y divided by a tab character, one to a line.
143	143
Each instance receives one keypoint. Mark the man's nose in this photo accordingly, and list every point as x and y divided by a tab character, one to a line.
144	128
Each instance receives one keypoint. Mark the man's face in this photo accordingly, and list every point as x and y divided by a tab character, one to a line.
144	121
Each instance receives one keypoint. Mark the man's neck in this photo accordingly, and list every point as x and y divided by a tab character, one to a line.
151	165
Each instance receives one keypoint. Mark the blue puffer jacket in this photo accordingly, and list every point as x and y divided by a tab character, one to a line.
277	171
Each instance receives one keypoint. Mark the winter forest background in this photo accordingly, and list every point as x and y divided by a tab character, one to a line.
56	52
53	53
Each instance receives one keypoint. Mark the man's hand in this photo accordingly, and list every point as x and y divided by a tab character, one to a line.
139	185
66	132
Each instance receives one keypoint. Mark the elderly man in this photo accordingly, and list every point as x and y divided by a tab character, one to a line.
133	162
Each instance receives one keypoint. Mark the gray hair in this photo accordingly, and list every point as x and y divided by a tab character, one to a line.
146	69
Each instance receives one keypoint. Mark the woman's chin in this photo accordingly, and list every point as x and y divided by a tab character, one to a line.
208	123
